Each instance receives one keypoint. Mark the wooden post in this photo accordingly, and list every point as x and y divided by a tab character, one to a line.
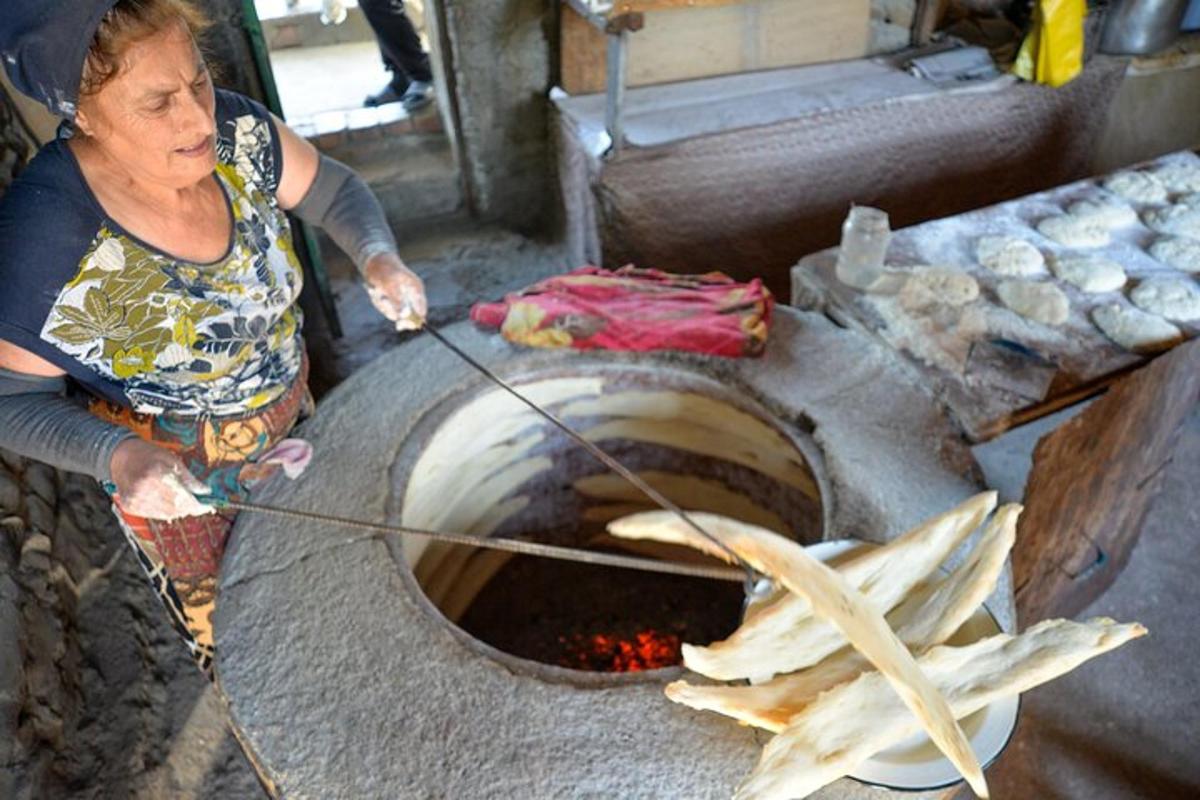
929	14
1093	480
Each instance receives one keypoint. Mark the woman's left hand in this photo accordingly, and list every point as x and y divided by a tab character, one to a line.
396	291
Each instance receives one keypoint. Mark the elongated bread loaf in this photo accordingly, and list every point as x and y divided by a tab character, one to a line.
785	636
832	598
849	724
927	617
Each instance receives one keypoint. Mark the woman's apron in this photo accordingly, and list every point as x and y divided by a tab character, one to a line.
230	454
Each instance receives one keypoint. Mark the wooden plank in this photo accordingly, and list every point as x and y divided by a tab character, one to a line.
717	38
1053	404
583	56
989	395
1093	480
928	17
679	45
794	32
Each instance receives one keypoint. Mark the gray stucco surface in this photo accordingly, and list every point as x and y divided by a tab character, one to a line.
500	69
346	682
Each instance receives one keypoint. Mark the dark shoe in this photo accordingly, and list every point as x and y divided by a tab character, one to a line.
389	94
418	95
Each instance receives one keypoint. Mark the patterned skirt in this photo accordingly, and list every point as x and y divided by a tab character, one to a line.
182	556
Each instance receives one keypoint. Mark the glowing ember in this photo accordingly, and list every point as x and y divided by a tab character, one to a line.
648	649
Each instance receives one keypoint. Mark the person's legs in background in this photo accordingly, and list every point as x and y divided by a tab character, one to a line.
412	80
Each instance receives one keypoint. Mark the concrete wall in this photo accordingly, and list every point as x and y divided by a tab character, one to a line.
499	70
1155	112
39	121
891	24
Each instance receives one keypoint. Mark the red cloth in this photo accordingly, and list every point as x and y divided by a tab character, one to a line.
635	309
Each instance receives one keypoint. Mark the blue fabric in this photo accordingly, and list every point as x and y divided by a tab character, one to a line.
48	221
44	43
1191	18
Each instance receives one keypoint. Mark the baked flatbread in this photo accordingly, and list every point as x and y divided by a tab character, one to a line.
785	636
929	616
833	598
851	723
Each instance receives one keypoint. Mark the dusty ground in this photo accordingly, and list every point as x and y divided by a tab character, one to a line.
108	705
114	709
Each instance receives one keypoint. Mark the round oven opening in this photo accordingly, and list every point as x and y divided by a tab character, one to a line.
487	465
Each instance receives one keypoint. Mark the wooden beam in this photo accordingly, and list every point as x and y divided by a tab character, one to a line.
583	55
929	15
1093	480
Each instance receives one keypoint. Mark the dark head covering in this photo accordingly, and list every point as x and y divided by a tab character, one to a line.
44	43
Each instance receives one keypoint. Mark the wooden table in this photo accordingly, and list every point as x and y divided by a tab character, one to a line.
994	369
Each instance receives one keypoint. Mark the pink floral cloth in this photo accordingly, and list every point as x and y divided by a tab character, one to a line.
636	309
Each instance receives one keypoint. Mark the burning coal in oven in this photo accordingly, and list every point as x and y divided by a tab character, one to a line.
647	649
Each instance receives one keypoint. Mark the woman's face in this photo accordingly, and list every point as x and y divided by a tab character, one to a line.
155	117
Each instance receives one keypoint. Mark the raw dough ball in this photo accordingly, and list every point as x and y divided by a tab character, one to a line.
1089	273
1173	298
1073	231
1180	219
1105	214
1040	302
1140	187
1179	177
1008	255
1135	330
934	286
1175	251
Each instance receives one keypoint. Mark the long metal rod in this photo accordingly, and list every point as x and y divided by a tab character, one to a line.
617	67
604	458
518	546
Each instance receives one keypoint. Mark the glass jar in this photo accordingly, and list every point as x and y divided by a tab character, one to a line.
865	237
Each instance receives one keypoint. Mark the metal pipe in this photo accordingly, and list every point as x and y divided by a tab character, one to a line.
617	67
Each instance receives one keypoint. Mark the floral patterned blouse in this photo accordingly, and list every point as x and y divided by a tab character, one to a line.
140	327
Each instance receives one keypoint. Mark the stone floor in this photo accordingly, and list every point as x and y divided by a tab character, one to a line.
98	698
313	80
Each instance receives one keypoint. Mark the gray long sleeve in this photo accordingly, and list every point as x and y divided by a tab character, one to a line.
340	203
38	422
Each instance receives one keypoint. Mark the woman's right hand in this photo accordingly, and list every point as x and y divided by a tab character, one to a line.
154	483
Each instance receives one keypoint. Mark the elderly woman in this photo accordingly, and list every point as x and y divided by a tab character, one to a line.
149	331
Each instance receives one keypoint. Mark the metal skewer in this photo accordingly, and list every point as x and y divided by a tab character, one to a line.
518	546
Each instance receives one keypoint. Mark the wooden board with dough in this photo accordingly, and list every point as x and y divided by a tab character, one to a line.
996	368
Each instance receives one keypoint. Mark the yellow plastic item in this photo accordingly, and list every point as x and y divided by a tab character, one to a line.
1052	53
